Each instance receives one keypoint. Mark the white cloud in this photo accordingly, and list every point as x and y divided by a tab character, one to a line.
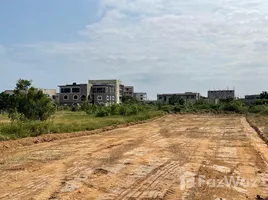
181	43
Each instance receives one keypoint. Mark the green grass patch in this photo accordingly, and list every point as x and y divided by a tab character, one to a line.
66	121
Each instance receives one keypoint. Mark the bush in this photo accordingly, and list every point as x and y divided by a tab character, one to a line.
262	109
85	106
133	110
91	109
167	108
177	109
260	102
123	111
234	106
114	109
102	112
75	108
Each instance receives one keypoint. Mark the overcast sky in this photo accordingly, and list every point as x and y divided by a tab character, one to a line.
159	46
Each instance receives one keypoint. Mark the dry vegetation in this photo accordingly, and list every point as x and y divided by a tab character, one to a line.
4	118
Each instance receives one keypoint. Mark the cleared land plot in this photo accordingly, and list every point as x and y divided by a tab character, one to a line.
145	161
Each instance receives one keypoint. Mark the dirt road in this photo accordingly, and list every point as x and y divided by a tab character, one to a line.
155	160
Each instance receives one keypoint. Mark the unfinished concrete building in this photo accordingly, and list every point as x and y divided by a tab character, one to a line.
128	91
114	82
103	94
140	96
73	94
189	97
221	94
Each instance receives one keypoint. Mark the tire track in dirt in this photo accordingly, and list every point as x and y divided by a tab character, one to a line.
144	161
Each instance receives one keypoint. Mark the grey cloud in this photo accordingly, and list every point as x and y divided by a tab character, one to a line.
173	45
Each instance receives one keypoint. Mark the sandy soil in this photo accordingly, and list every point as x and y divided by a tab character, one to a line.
161	159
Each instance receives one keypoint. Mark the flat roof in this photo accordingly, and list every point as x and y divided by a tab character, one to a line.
187	93
221	90
70	85
44	89
103	85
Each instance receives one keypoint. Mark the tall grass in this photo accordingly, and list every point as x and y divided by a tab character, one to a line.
4	118
66	121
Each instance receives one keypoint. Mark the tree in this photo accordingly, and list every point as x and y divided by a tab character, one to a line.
35	105
3	101
31	103
22	85
8	103
176	100
264	95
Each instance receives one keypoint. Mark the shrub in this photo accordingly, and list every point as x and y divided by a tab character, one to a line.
102	112
260	102
234	106
114	109
258	109
75	108
91	109
133	110
123	111
85	106
167	108
177	109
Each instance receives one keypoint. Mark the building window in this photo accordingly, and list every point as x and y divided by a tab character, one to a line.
107	98
65	90
160	97
75	90
65	97
54	97
75	97
98	90
99	97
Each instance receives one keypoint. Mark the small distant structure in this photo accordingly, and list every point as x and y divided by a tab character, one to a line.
221	94
140	96
250	98
189	97
51	93
10	92
253	96
128	91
